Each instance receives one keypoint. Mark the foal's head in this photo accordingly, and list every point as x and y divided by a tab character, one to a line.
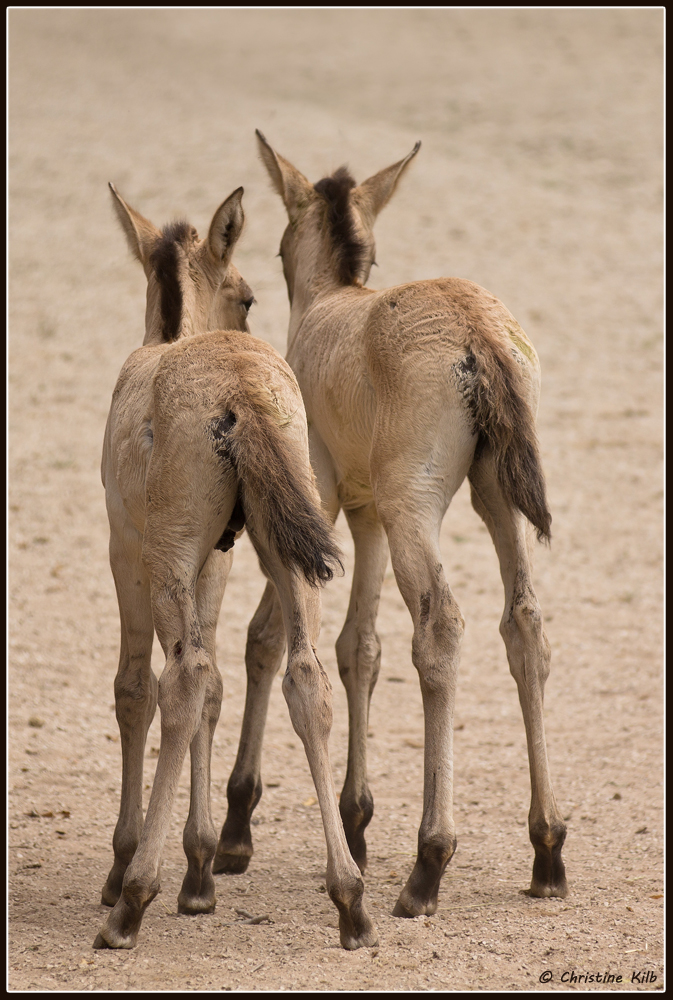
330	233
192	286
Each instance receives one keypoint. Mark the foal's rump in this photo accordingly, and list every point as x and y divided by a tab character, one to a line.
232	432
452	352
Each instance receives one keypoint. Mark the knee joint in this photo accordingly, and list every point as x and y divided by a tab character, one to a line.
437	637
308	693
523	632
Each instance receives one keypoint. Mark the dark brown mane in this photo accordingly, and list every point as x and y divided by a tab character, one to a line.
349	249
164	260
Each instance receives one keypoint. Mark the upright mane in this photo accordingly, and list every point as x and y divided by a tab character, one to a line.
165	261
349	249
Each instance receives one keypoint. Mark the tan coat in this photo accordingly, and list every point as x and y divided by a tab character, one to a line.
207	432
408	391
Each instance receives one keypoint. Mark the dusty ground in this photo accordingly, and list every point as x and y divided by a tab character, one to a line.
539	178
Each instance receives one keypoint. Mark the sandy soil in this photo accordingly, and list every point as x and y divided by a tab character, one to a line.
539	178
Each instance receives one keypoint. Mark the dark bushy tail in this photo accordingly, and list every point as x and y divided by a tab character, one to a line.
506	424
278	493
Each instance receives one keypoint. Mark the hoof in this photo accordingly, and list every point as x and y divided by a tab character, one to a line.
549	874
539	891
120	930
408	906
356	929
106	938
192	907
230	864
368	939
419	896
197	893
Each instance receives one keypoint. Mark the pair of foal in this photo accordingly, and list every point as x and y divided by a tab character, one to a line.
407	391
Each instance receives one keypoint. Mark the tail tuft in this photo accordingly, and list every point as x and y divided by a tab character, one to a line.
493	390
277	489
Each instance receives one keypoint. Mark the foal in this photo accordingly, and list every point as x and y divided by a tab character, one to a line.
407	391
207	433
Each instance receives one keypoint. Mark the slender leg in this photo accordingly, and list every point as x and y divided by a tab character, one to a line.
359	658
438	631
308	695
529	657
415	477
182	693
263	656
136	691
197	894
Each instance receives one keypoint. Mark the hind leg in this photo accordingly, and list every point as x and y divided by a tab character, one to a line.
415	477
529	658
438	632
172	553
263	656
197	894
308	694
136	691
358	651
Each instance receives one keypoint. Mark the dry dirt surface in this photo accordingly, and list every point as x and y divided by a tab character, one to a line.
540	178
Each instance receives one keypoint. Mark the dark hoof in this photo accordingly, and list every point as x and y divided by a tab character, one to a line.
420	894
407	906
191	907
197	893
230	864
109	938
538	891
120	930
356	929
549	874
367	938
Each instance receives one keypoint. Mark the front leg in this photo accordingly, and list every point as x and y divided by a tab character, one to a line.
263	656
199	839
359	658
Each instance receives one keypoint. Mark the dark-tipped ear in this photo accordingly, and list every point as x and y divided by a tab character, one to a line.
226	227
289	182
376	192
140	233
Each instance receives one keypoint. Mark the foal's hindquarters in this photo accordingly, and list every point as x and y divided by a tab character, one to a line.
204	435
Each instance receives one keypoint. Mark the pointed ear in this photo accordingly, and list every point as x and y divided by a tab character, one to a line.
290	184
226	227
141	234
376	192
